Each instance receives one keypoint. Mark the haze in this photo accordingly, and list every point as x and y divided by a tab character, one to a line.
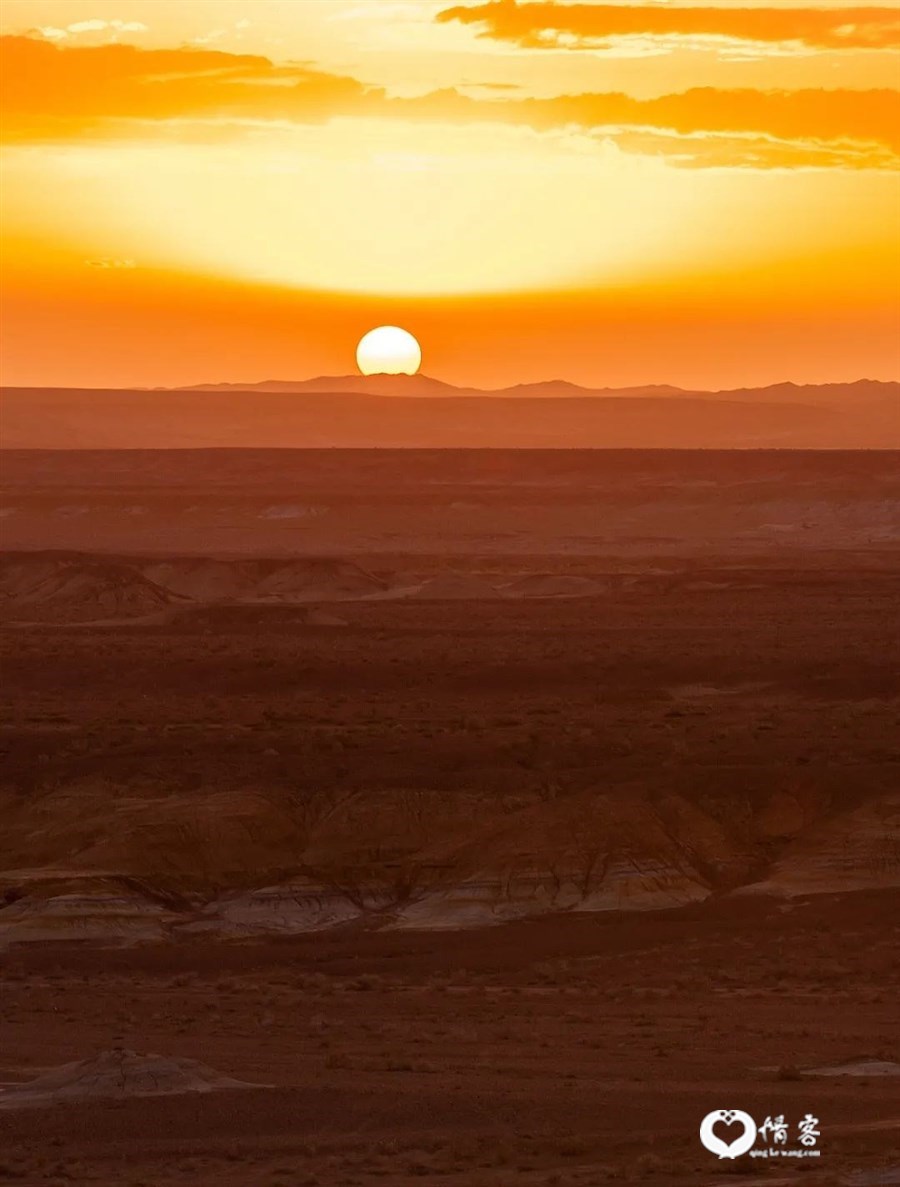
609	195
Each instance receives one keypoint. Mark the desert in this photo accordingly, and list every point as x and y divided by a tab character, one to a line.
449	590
492	822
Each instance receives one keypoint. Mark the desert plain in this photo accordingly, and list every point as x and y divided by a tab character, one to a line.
467	817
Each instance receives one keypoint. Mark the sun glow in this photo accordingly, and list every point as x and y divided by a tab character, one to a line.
192	187
408	210
388	350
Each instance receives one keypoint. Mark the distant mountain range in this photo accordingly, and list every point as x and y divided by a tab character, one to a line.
423	385
385	411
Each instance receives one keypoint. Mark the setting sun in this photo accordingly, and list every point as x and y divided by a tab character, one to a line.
388	350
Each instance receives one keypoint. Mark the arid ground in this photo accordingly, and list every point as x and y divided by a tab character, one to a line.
472	818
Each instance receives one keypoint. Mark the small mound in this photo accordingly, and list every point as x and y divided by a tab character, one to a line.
456	586
319	580
118	1073
554	585
857	1067
203	579
323	618
293	511
20	578
40	906
82	590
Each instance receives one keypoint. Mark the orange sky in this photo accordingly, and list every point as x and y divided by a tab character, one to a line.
695	193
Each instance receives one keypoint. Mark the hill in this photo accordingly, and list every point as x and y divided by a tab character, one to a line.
425	385
865	415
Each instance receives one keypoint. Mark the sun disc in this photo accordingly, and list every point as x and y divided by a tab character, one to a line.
388	350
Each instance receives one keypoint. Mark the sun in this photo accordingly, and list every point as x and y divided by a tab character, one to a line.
388	350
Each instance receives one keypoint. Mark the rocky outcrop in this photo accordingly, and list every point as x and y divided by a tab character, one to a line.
131	869
73	587
117	1074
47	906
556	585
856	849
79	590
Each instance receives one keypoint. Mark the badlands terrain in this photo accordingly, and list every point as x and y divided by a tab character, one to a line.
466	817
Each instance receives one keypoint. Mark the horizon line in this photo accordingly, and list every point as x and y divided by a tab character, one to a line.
251	384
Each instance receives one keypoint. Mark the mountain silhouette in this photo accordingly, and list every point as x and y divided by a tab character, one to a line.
422	385
420	412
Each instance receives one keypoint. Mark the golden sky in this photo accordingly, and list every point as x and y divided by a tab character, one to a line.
697	193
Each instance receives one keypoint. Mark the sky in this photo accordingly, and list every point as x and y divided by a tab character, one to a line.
690	192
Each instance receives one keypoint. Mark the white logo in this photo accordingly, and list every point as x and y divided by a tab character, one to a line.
727	1118
738	1132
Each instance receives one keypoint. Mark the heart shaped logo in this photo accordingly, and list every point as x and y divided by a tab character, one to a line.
728	1118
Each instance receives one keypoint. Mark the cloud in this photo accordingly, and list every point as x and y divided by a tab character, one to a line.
863	125
732	150
52	33
551	25
86	26
105	263
217	34
51	93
